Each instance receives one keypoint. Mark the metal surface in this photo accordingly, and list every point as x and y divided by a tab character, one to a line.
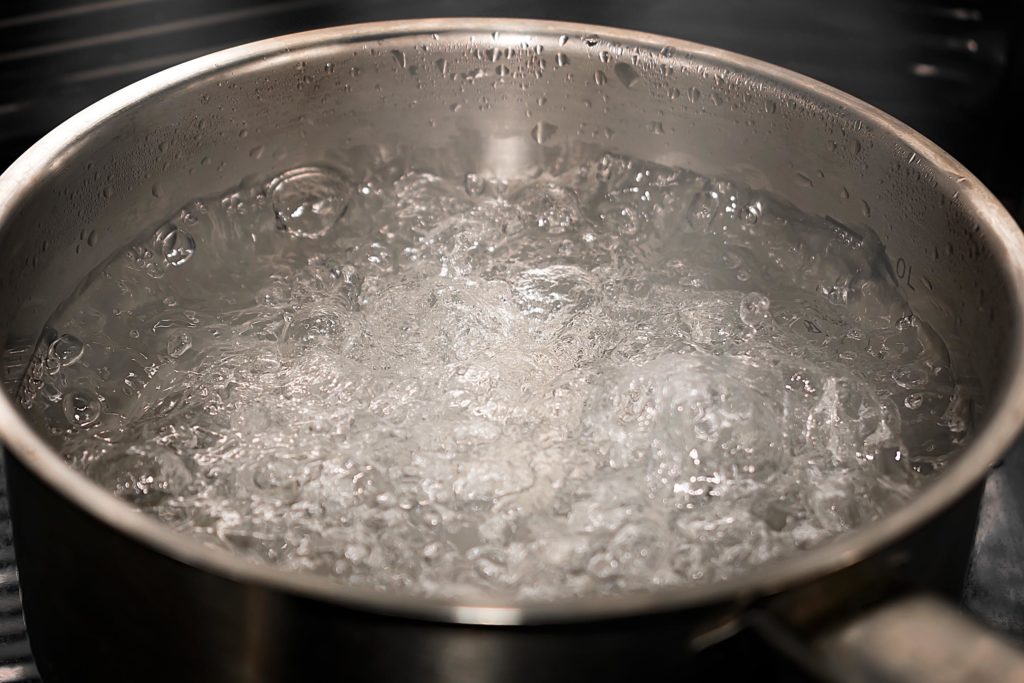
919	638
89	185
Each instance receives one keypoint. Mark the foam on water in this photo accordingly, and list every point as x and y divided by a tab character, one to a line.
611	376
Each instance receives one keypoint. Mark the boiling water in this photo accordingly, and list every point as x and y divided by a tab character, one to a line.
610	376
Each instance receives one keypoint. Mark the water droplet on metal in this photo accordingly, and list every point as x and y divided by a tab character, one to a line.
562	40
600	78
399	58
693	94
561	59
627	74
542	132
804	180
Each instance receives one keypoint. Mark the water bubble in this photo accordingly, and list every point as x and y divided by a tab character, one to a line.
308	201
427	516
474	184
174	244
356	553
627	74
751	213
957	416
703	209
82	407
178	344
432	552
838	295
754	309
910	376
143	475
686	562
603	566
914	401
66	349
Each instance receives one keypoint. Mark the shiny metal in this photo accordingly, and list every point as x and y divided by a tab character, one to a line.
920	638
197	128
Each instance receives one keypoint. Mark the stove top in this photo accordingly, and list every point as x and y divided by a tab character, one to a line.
951	69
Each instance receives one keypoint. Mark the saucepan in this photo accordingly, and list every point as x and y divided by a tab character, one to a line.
111	594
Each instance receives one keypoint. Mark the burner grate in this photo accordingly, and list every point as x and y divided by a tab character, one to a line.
16	665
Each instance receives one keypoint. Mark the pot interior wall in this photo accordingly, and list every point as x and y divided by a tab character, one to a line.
501	104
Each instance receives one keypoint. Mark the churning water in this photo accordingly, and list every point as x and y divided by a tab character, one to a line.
610	376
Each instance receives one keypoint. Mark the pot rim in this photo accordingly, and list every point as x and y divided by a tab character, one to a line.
985	449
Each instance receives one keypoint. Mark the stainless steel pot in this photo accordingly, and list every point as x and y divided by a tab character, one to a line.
112	595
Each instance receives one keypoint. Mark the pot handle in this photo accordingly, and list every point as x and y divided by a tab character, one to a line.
917	638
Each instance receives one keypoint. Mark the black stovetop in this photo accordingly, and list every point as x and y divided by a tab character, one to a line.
951	69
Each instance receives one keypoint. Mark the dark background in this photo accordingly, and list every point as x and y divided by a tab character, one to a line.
952	70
